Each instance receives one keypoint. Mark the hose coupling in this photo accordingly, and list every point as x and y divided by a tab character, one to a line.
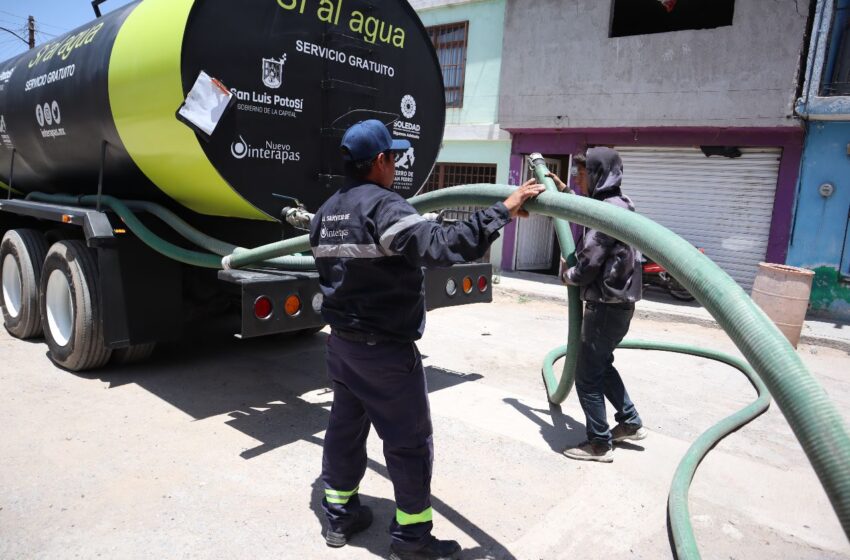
536	159
298	217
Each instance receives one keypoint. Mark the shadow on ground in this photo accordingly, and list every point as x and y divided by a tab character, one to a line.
275	390
376	538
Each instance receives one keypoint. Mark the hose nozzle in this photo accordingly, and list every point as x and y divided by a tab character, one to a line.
536	159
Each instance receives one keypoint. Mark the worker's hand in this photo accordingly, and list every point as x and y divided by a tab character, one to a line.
527	190
558	183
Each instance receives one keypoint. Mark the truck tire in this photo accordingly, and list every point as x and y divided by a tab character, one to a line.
22	253
133	354
70	307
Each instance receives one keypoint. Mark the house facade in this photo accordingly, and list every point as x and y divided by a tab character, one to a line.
468	38
698	97
820	238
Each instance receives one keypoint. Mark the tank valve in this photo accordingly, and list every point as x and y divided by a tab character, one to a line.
298	217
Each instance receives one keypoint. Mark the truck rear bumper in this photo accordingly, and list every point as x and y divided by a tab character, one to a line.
275	302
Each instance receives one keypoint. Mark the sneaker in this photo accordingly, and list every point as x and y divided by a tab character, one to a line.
591	451
622	432
435	549
339	537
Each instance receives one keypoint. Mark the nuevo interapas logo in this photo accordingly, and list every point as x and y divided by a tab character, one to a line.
271	151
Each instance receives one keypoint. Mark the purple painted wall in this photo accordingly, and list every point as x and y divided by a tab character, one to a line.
558	142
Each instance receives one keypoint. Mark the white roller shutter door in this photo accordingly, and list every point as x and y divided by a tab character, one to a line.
723	205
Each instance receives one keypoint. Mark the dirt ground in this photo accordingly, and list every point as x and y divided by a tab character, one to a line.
213	448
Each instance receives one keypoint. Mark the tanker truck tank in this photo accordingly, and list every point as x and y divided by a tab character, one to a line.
109	195
301	71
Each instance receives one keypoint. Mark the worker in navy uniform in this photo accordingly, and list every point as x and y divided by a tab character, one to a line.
370	246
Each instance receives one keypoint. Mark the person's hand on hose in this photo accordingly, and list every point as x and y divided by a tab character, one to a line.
563	187
527	190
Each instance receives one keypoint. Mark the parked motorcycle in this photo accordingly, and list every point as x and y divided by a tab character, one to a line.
656	275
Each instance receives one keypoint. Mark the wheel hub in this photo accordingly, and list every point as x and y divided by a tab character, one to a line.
12	287
60	308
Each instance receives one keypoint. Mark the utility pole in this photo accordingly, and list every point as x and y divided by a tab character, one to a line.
31	28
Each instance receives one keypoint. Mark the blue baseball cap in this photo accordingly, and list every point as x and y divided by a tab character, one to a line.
366	139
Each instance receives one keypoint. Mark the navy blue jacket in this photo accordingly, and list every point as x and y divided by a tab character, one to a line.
370	246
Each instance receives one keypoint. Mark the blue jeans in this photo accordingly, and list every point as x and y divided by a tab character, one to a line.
603	328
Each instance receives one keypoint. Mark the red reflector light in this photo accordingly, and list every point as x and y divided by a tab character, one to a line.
653	269
467	285
263	307
482	283
292	306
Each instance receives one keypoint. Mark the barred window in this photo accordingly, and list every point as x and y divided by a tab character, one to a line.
453	174
450	42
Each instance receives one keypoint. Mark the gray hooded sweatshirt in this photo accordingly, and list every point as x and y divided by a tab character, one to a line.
607	270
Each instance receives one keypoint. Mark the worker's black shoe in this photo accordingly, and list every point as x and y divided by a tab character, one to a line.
341	535
435	549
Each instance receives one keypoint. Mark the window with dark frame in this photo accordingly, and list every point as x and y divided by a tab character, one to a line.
450	43
644	17
452	174
837	65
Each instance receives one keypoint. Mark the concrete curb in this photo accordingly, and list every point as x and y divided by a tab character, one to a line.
666	315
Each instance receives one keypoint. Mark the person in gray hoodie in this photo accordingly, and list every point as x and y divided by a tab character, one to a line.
608	273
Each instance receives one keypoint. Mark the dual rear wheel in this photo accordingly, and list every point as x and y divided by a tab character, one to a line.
55	292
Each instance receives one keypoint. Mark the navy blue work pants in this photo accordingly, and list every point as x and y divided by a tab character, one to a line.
604	327
380	384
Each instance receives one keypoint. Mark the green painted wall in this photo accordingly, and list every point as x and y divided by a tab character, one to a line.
829	294
483	57
482	151
480	91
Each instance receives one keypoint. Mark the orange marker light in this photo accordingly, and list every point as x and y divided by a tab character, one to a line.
467	285
66	218
292	306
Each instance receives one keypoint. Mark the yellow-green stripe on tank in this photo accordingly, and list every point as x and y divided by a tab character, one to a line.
5	187
145	90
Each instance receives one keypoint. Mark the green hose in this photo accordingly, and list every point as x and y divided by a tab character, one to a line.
558	390
813	418
124	210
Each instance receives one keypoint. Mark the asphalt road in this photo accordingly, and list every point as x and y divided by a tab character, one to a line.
213	448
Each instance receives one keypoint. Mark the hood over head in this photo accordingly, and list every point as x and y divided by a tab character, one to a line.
604	172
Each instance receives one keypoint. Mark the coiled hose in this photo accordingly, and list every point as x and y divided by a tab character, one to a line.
813	418
811	415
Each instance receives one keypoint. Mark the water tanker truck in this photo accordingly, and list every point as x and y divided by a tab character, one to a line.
118	204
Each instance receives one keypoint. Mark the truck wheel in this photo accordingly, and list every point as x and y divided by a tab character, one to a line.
22	254
70	308
133	354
